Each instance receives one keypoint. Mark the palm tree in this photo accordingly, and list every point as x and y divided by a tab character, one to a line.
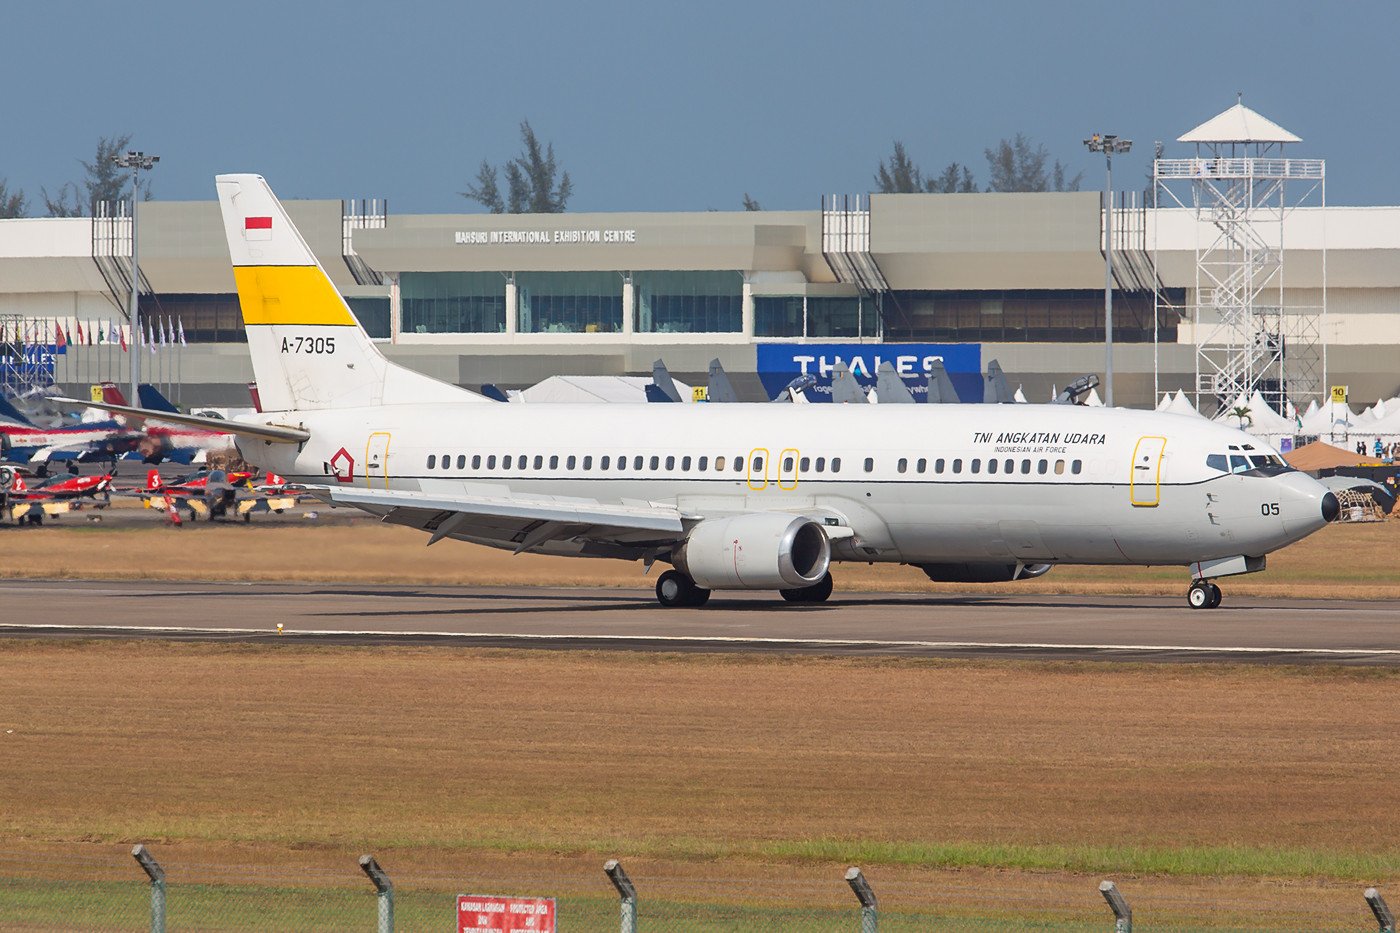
1241	414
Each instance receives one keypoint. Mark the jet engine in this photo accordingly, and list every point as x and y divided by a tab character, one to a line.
981	572
761	551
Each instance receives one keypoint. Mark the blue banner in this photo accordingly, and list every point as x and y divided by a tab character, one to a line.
780	363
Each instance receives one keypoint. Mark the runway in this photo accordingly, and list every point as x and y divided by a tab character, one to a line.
1353	632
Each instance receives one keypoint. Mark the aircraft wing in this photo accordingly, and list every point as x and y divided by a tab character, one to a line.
273	433
555	524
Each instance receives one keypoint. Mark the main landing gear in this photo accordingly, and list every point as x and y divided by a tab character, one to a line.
816	593
674	588
1203	595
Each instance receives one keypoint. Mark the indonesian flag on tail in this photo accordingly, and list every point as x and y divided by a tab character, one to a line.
257	228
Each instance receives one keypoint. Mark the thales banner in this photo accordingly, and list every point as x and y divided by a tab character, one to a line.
780	363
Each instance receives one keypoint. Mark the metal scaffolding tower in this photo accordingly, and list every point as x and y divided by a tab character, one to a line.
1250	334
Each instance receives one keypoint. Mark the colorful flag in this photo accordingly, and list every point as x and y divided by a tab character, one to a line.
160	326
182	333
121	332
58	339
150	337
80	333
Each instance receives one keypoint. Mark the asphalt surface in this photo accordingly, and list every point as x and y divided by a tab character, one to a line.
1158	629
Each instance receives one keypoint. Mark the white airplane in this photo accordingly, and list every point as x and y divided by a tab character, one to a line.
739	497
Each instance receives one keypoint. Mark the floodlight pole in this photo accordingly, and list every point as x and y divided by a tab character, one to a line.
1108	145
135	161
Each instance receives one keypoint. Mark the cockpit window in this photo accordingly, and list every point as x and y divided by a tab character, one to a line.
1238	463
1217	462
1256	464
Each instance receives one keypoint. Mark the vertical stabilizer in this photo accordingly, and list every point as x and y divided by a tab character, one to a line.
308	350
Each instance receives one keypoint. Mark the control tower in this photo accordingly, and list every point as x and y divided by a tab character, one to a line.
1249	334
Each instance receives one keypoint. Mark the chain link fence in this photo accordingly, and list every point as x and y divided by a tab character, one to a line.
45	894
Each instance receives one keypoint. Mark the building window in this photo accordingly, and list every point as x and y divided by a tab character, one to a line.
689	302
373	315
453	302
842	317
569	302
780	316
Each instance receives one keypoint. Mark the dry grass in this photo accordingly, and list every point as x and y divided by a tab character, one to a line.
512	756
1355	560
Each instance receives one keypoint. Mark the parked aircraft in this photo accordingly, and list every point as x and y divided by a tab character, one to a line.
52	496
216	493
751	497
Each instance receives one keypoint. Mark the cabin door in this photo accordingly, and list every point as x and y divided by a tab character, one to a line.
377	461
1145	484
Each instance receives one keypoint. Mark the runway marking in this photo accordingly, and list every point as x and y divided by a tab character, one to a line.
718	639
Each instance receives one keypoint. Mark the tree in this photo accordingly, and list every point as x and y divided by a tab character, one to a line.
750	204
955	179
12	203
530	181
1016	165
902	176
1241	413
105	181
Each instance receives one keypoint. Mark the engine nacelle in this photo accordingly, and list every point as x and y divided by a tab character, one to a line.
762	551
981	572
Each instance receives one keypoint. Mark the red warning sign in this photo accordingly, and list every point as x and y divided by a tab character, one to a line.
485	912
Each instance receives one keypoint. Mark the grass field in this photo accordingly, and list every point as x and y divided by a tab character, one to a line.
936	776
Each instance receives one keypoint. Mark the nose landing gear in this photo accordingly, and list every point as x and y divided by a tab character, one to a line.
1203	595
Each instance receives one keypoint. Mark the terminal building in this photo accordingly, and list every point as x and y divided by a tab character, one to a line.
1231	275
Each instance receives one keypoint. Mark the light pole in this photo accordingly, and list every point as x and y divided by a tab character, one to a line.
135	161
1108	145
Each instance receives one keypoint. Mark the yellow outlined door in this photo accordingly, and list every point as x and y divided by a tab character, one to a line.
377	461
758	468
1146	480
787	469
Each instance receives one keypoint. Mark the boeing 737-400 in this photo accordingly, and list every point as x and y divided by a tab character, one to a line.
744	496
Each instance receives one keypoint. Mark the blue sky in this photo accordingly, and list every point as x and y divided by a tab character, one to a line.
673	107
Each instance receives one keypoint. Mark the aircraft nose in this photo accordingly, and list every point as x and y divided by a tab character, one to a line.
1331	508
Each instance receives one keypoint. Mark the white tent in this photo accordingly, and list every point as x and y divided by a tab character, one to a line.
1179	404
592	389
1093	400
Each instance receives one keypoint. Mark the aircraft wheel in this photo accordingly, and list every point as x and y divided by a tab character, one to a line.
1199	596
1215	596
247	516
674	588
816	593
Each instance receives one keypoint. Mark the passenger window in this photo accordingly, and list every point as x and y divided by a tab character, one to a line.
758	464
461	461
554	461
787	464
505	462
805	464
991	466
604	463
655	462
1076	467
476	461
1043	466
976	466
719	463
738	464
938	465
703	465
1025	466
1217	462
637	462
836	464
447	461
432	461
869	464
957	466
685	464
670	463
588	463
1010	466
622	462
1059	467
539	462
903	465
922	464
491	462
571	462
